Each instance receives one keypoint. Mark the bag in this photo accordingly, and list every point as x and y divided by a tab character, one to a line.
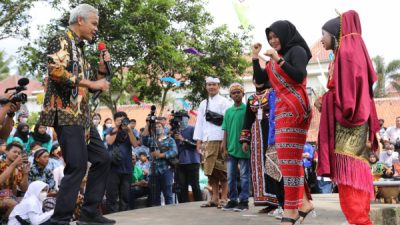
271	164
116	155
174	161
213	117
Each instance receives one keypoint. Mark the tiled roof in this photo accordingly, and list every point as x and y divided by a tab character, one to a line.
386	108
318	51
12	81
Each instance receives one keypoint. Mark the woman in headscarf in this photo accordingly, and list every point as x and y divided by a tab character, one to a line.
286	72
39	134
348	117
257	130
29	210
21	136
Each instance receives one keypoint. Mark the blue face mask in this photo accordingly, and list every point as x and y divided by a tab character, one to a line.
184	122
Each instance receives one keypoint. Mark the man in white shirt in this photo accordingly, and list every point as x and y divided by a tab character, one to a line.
393	133
209	134
387	157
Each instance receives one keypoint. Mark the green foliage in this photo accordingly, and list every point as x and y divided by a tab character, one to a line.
4	65
33	118
390	72
146	39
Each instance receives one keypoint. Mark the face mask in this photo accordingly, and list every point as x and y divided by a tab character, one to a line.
42	196
96	122
389	152
108	125
24	120
159	131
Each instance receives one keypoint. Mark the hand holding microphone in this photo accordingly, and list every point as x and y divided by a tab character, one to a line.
104	67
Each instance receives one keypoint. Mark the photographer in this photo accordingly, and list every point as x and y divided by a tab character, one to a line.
120	140
7	113
13	174
162	148
189	158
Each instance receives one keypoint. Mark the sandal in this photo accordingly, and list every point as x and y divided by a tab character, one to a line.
304	214
267	209
209	205
289	220
221	204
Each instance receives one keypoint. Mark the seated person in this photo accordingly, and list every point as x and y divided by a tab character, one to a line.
143	162
33	146
30	208
13	174
386	157
55	159
139	185
39	171
21	135
40	135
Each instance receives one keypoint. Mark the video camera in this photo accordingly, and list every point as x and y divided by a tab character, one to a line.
17	96
175	122
152	116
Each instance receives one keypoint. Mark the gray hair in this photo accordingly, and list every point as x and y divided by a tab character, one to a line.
82	10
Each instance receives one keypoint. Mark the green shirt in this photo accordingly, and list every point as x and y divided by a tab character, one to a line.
137	175
232	125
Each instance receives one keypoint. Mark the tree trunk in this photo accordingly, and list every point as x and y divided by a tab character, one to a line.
164	98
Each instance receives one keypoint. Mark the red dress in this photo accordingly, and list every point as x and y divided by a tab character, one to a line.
292	121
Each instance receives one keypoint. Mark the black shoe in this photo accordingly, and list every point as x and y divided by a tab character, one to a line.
94	220
242	206
230	206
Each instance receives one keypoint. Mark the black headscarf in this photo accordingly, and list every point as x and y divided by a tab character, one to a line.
42	138
333	27
288	36
23	135
38	153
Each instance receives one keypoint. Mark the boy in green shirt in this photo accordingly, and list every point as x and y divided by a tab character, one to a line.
232	126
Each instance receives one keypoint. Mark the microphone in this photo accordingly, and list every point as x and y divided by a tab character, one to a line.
102	47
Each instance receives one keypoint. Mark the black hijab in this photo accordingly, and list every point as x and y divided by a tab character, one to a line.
288	36
23	135
42	138
333	27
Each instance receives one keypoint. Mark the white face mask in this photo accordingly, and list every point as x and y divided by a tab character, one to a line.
108	125
24	120
159	131
389	152
42	196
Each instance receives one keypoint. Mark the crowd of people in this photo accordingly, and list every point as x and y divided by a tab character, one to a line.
75	165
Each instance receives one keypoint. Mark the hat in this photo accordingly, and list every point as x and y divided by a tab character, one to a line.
212	80
235	87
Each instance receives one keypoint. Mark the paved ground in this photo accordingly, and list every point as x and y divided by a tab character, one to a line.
327	209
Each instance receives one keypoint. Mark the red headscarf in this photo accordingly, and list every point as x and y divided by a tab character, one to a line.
354	76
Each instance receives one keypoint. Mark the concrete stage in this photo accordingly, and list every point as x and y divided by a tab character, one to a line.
327	209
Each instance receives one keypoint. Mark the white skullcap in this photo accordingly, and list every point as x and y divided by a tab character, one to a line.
212	80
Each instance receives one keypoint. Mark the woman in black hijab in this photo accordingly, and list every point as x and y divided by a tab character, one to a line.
39	134
21	135
286	72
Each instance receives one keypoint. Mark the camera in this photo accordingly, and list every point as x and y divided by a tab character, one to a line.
152	116
175	122
17	96
125	121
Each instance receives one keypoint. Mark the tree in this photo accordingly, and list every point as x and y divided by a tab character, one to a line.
4	65
390	72
146	39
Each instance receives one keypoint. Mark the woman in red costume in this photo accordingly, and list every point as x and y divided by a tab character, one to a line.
348	117
286	72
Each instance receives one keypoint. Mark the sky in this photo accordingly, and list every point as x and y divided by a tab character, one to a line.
379	20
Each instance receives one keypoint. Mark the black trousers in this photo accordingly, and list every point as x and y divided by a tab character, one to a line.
118	190
188	174
76	153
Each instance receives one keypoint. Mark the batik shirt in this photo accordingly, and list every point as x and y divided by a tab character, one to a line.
42	174
66	103
10	185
